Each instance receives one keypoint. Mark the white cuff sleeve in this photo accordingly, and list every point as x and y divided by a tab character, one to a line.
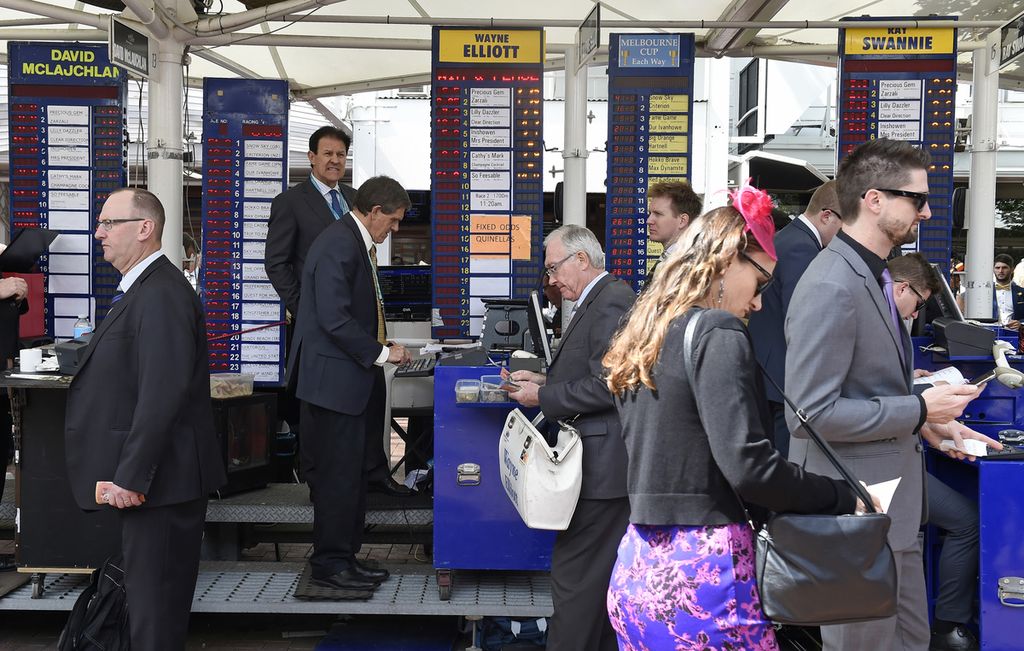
383	357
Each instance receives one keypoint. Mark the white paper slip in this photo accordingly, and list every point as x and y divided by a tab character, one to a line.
884	492
972	447
950	374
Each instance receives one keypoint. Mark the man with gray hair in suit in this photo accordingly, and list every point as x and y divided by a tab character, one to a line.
849	366
583	556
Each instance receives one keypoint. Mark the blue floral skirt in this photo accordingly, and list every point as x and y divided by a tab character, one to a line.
688	588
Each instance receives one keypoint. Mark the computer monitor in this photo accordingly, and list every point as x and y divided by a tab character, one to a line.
945	298
406	292
538	333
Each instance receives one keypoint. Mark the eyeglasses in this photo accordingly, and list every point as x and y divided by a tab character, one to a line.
834	212
920	198
921	302
760	286
109	224
553	269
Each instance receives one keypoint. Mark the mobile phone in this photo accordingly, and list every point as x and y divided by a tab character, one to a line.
986	377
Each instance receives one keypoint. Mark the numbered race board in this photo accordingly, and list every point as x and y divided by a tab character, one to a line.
650	81
900	83
245	165
67	125
486	156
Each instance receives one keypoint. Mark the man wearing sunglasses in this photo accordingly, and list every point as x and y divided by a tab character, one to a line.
849	366
796	244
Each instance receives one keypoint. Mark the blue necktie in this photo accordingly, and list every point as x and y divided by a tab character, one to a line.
336	204
116	297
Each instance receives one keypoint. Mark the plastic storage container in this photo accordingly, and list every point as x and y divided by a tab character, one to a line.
467	391
231	385
490	389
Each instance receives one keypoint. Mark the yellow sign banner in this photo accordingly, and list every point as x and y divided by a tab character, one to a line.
665	166
668	123
490	234
490	46
668	144
669	103
899	40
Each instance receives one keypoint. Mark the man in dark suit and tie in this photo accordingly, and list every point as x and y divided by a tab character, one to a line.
139	416
302	212
583	556
336	366
797	244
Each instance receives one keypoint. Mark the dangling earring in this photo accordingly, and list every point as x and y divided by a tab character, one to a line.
721	291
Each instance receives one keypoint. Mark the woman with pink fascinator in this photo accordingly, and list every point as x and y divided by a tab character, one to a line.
684	577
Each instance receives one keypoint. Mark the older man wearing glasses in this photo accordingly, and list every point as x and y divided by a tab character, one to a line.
583	556
139	428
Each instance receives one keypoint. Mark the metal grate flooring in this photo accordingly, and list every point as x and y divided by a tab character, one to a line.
269	587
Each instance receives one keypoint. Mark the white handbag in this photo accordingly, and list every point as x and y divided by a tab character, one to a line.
542	481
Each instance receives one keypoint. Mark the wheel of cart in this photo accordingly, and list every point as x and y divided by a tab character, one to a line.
445	580
38	580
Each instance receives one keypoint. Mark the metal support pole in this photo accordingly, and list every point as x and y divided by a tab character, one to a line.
164	146
574	154
982	197
716	140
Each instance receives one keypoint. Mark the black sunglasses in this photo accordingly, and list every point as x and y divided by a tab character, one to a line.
920	198
921	302
760	286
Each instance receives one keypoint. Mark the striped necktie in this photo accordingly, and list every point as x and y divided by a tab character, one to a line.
116	297
382	338
336	204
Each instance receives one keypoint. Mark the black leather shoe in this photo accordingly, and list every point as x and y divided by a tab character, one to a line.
959	639
389	487
345	580
376	574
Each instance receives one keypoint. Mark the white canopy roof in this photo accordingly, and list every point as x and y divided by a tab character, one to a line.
332	47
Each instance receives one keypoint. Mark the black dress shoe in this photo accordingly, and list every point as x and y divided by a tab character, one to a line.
345	580
376	574
959	639
389	487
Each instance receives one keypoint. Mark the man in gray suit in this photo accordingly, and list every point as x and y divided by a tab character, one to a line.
583	556
849	366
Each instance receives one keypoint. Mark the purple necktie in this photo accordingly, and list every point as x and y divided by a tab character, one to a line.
891	300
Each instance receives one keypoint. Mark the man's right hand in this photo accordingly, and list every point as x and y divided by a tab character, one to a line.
13	287
524	376
398	354
946	402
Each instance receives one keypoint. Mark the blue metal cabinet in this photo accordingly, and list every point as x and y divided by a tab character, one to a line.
476	527
1002	552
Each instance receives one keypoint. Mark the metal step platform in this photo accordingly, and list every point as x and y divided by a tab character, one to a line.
268	588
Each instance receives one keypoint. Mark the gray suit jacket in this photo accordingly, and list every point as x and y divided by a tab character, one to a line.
844	369
575	385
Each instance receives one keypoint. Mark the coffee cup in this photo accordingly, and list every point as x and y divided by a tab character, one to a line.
30	358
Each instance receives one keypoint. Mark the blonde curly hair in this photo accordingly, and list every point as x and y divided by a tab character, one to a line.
683	280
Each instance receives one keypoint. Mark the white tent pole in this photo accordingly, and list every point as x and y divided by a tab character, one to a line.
147	15
232	22
574	152
982	197
164	145
60	13
716	141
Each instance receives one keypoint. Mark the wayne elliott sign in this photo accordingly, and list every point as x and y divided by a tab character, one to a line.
129	48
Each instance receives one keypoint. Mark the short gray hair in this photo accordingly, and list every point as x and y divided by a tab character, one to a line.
577	239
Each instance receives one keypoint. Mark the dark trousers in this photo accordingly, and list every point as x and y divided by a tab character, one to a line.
161	561
581	567
958	563
338	453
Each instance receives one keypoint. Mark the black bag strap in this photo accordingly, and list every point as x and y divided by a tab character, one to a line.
826	449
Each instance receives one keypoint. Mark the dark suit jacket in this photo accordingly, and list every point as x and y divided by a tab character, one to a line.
1018	302
575	385
139	411
331	362
796	246
297	216
10	316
